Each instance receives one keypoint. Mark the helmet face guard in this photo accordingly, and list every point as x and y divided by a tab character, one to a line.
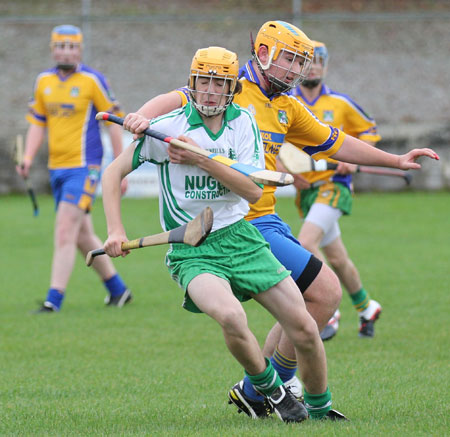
221	68
279	75
284	42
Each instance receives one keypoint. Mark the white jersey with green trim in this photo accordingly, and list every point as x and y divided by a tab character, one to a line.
185	190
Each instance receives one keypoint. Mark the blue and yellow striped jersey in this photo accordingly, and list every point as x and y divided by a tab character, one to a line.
340	111
281	118
67	107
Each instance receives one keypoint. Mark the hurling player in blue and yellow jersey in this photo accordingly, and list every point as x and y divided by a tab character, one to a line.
282	55
323	196
64	103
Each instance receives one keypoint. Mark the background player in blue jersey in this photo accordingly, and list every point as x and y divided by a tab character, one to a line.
324	196
64	103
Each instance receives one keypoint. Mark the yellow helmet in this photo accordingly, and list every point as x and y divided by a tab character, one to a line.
279	36
66	33
214	63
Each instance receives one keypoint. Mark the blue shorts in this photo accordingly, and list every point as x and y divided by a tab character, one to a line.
75	185
283	244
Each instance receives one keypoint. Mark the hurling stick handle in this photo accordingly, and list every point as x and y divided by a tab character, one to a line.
19	150
151	240
381	171
184	145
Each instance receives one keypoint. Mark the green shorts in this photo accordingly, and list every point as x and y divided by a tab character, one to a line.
334	194
238	253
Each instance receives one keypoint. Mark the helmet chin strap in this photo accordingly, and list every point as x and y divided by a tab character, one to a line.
272	86
261	70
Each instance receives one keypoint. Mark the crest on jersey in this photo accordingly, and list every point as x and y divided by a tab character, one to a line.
328	116
282	117
75	91
252	109
231	154
93	174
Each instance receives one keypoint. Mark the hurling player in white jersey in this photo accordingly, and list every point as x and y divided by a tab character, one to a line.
281	57
234	263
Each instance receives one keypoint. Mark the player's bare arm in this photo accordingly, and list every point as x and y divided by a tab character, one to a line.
34	140
111	182
115	133
357	152
161	104
137	122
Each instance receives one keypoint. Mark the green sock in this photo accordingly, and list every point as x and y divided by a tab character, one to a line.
266	382
318	405
360	300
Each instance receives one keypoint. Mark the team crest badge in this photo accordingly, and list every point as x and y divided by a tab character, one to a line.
231	154
328	116
282	117
252	109
75	91
93	174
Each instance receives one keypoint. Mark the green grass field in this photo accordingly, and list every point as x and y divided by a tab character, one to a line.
154	369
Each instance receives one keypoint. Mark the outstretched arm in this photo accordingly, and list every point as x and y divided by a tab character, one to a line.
357	152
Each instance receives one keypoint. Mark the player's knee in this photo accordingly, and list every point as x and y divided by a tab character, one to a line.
305	333
64	236
233	320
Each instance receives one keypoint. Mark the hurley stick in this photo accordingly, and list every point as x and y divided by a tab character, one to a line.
266	177
192	233
18	158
